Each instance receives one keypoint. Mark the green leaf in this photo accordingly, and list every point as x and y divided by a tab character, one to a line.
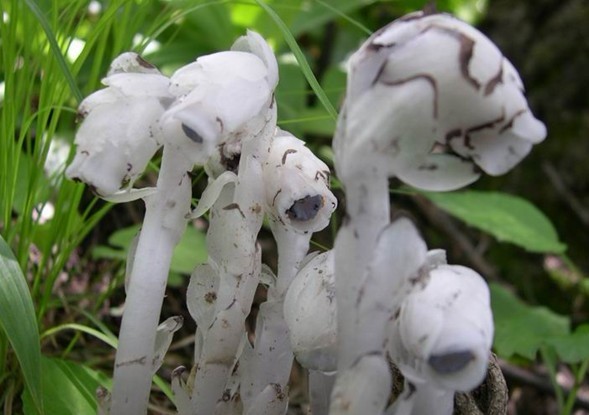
521	329
190	251
63	65
574	347
508	218
300	57
68	388
320	12
19	323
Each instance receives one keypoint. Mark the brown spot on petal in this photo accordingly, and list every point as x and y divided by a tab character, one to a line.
286	153
232	206
453	134
509	123
426	77
494	82
210	297
142	62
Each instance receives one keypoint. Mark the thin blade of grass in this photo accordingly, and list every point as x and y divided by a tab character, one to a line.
19	323
69	77
345	17
300	57
109	339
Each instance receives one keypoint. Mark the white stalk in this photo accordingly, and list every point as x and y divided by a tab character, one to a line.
162	228
236	218
320	388
298	202
430	101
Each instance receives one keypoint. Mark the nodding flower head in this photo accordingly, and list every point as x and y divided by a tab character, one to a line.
221	98
297	185
120	126
444	329
442	101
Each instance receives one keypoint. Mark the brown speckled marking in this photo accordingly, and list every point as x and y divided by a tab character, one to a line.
509	123
138	361
275	196
232	206
142	62
494	82
286	153
210	297
430	79
450	135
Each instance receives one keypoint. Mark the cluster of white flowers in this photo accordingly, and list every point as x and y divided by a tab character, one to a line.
430	100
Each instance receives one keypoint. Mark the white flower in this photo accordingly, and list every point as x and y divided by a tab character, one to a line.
443	332
310	313
120	128
297	185
433	100
221	98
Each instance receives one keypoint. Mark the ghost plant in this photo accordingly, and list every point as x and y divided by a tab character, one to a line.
191	115
441	336
430	100
298	202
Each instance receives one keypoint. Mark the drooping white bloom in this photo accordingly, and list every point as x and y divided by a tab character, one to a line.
444	331
441	336
120	129
297	185
434	100
221	98
310	313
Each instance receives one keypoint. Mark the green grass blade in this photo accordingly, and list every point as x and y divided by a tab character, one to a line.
300	57
109	339
345	16
34	7
19	323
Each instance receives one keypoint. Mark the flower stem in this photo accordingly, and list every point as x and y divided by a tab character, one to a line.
162	228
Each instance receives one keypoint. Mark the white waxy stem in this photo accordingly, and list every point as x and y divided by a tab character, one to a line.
431	101
113	150
243	113
320	388
442	336
298	202
163	226
363	388
310	313
119	134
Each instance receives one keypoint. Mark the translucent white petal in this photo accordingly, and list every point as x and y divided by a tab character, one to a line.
138	85
440	172
211	193
310	313
130	62
113	150
473	89
201	295
256	44
163	339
